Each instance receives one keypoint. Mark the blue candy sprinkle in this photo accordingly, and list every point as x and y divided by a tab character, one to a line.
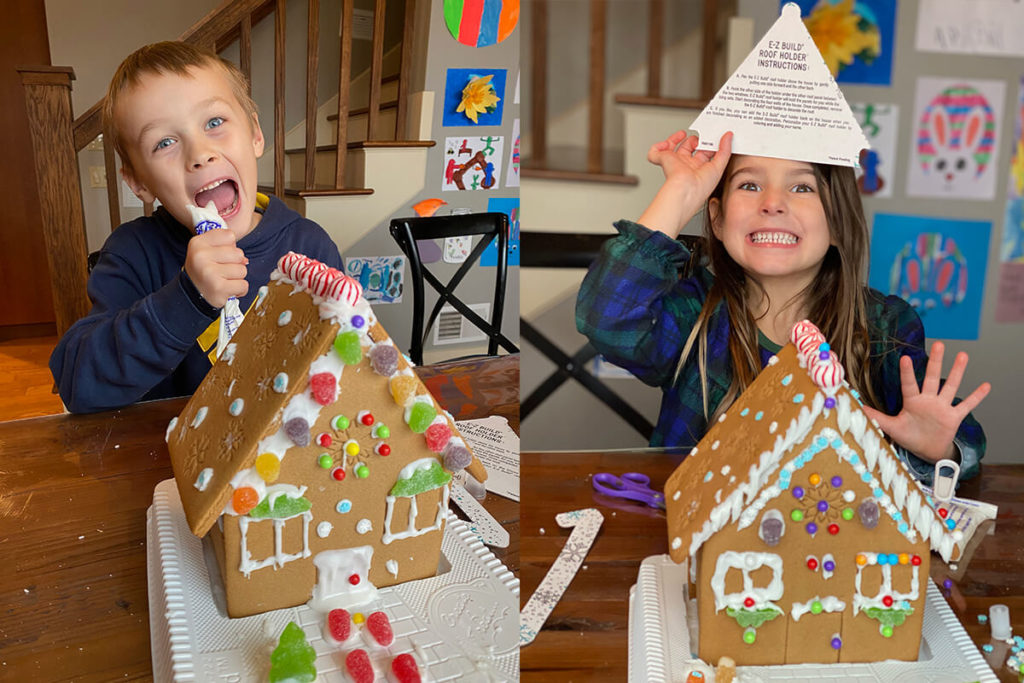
894	559
344	506
824	347
744	412
783	484
707	477
987	648
906	604
799	398
950	524
837	443
821	442
982	618
883	558
878	492
866	477
854	459
903	527
784	474
897	515
759	415
786	380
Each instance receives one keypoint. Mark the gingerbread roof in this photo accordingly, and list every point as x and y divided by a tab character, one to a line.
308	328
795	410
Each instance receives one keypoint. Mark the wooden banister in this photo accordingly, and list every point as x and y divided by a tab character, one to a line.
376	69
48	104
655	24
312	68
279	36
539	80
344	74
405	66
708	50
595	118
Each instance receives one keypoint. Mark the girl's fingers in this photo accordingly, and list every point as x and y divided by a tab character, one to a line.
908	380
972	401
933	371
956	376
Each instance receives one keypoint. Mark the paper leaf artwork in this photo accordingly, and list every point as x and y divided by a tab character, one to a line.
428	207
382	277
474	97
956	134
855	38
512	176
472	163
880	124
783	102
456	249
509	207
992	27
936	265
479	23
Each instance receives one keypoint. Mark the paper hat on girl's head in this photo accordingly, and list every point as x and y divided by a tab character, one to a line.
783	102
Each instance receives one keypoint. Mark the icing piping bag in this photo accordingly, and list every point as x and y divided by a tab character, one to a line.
206	219
481	522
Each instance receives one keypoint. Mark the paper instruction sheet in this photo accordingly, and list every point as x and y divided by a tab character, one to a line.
497	447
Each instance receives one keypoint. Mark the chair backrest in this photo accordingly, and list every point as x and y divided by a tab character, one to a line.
492	227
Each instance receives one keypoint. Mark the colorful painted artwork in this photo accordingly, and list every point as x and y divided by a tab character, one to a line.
956	138
479	23
510	207
472	163
474	97
856	38
937	265
382	277
512	176
1010	301
880	123
456	249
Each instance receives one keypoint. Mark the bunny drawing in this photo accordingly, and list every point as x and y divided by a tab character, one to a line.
956	136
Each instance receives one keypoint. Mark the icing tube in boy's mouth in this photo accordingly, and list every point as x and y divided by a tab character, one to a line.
205	219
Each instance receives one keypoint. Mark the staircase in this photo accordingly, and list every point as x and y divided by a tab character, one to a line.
349	165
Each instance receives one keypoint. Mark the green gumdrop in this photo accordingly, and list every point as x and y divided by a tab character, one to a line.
348	347
749	636
420	416
421	480
292	659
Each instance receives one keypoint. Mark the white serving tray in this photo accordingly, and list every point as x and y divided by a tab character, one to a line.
461	625
661	629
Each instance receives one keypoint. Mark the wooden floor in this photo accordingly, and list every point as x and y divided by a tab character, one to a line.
26	385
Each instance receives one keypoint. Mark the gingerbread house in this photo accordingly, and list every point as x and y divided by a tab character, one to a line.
808	539
312	453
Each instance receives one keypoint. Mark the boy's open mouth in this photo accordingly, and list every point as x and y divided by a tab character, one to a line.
223	193
773	237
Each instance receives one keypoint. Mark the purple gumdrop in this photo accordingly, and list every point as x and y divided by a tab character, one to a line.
771	530
822	505
383	359
837	481
798	492
358	321
823	355
297	430
456	457
830	403
948	584
868	513
829	566
812	528
836	643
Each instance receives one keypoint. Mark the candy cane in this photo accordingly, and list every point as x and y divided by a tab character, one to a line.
585	523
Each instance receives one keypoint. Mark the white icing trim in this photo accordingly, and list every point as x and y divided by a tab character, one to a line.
863	602
829	603
279	558
411	529
747	562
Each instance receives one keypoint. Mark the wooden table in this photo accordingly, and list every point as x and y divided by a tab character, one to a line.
585	638
74	490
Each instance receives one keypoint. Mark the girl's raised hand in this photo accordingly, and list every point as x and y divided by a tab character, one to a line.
929	420
690	177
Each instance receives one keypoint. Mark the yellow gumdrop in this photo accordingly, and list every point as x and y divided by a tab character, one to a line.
403	387
268	467
815	479
352	448
358	618
904	558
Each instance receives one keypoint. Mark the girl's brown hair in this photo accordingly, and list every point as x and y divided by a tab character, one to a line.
167	57
834	300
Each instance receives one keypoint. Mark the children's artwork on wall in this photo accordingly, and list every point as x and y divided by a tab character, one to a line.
510	207
992	27
479	23
855	38
474	97
879	123
472	162
382	277
456	249
515	100
1010	302
937	265
512	176
428	207
956	138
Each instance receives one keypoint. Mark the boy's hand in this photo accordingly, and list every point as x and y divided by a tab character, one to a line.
929	420
216	266
690	177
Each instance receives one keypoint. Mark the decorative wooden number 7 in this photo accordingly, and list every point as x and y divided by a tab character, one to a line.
585	524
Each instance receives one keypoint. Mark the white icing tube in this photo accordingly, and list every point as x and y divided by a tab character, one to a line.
206	219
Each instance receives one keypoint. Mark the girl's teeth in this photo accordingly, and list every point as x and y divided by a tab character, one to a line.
773	237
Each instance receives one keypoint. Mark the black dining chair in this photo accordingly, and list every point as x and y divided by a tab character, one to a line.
491	227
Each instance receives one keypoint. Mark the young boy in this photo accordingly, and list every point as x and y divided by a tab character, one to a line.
187	132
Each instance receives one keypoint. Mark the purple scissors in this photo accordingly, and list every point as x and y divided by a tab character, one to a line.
631	485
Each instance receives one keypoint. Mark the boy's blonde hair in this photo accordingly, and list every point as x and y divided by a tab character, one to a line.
173	57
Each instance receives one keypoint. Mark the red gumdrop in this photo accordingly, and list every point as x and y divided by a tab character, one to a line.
359	668
324	387
437	436
380	628
404	669
339	624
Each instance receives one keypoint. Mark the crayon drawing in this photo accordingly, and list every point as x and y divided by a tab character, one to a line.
382	277
472	163
510	207
879	123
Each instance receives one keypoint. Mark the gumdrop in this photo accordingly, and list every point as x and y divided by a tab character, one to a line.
244	499
438	435
456	457
380	628
421	414
292	659
868	513
268	466
339	624
359	668
348	347
771	530
297	430
384	359
404	669
403	388
324	387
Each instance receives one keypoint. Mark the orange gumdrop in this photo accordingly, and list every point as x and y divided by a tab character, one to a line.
244	499
403	387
